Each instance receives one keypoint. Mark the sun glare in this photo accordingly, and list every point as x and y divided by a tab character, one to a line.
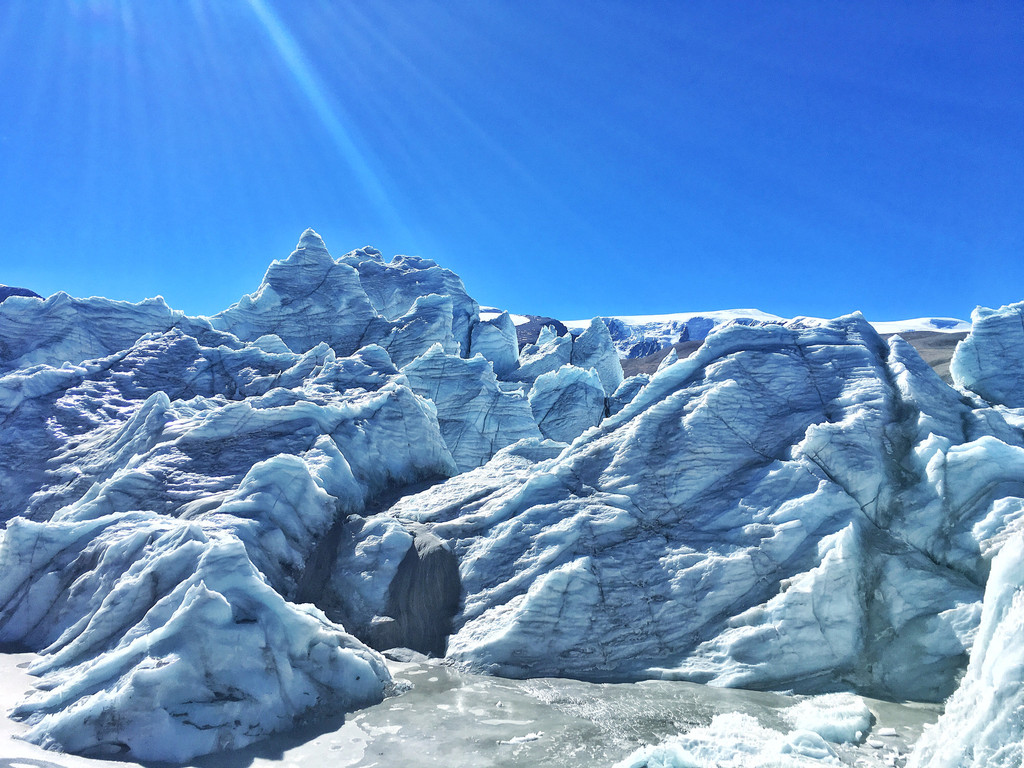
332	114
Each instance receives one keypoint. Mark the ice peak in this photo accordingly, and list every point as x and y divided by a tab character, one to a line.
310	239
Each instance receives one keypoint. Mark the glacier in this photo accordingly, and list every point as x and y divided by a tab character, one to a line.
214	525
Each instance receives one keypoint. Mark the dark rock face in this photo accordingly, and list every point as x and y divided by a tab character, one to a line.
935	347
422	600
6	291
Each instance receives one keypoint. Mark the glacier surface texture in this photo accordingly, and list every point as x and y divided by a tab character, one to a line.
214	524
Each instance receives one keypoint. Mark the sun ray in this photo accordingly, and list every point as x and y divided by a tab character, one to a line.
332	114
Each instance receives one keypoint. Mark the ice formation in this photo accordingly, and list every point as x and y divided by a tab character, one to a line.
496	340
567	402
641	335
476	416
549	354
594	349
393	287
990	361
349	457
62	329
983	725
304	300
186	491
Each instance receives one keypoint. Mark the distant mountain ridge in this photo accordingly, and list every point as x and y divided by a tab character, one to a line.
643	341
6	291
642	335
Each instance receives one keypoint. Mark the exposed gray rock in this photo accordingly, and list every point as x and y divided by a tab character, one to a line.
422	599
935	348
528	332
6	291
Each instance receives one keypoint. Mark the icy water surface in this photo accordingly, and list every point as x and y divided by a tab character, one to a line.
450	718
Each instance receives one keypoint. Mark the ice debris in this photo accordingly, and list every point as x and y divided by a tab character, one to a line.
735	740
836	717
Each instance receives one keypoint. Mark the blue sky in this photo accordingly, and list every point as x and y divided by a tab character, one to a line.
565	158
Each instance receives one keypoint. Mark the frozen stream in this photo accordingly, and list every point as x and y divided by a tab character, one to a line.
449	718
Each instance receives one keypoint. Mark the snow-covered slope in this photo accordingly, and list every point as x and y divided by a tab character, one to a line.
209	521
922	325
